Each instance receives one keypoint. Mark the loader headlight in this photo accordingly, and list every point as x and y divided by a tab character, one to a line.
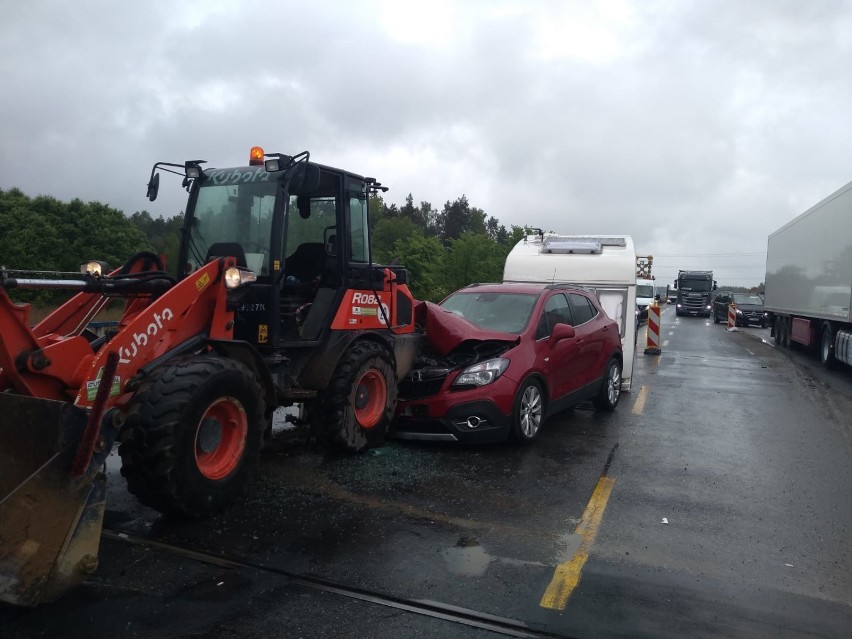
94	267
236	277
482	373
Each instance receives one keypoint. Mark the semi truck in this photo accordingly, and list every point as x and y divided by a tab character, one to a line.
809	279
604	264
694	291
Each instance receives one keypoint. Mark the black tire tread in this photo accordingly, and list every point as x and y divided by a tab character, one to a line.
830	362
150	433
329	416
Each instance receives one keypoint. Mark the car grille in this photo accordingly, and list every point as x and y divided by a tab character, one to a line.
423	382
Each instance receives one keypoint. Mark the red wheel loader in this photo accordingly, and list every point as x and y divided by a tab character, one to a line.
276	302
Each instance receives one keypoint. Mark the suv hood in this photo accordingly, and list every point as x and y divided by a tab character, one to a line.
446	331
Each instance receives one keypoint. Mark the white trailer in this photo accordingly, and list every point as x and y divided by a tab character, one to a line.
605	264
809	279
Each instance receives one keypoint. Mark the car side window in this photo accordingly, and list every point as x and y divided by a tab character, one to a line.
583	309
556	310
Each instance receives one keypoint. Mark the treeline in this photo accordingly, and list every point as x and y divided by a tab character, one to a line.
443	249
44	234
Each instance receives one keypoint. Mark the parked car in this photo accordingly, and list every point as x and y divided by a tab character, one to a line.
749	308
502	357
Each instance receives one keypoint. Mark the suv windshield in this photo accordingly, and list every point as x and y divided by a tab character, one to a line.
747	299
234	206
505	312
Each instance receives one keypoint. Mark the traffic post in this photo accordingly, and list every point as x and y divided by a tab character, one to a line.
732	317
652	345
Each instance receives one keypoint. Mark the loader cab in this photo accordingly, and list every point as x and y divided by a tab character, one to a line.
302	230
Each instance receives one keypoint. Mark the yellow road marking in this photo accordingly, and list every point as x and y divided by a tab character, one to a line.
566	577
639	404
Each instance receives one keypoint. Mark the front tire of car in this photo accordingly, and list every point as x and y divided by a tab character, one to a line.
527	413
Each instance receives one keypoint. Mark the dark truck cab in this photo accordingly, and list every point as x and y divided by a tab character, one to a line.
694	289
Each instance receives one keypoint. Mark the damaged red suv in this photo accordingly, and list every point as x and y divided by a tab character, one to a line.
500	358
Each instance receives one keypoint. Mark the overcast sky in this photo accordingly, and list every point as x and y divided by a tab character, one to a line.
696	127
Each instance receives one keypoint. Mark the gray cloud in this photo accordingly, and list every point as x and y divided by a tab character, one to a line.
698	128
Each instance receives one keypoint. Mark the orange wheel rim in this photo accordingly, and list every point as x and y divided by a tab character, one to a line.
220	438
371	395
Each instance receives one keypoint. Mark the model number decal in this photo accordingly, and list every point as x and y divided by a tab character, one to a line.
364	298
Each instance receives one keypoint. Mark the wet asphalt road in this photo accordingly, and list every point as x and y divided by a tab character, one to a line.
742	449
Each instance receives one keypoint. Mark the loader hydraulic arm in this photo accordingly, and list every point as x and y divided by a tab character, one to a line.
55	361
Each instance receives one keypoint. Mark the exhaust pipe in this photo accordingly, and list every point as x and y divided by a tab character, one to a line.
473	422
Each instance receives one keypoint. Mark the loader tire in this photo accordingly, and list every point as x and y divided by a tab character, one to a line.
193	434
361	398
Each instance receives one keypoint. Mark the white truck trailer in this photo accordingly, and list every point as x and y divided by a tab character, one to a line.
809	279
605	264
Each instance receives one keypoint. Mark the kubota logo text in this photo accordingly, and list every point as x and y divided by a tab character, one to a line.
140	340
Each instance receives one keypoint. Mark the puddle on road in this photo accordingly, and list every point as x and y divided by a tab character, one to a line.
469	559
572	543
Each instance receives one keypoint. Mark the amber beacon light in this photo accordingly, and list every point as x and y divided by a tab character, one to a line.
256	156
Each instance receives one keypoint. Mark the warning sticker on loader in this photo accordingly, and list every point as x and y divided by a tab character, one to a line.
92	386
202	282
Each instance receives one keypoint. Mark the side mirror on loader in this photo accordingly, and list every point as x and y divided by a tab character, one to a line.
153	187
306	179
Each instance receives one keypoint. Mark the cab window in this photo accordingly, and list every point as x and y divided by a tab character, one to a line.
360	238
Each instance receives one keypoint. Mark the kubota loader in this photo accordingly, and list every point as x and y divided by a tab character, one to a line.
276	301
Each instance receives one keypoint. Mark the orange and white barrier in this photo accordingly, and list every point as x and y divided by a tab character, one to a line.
652	346
732	317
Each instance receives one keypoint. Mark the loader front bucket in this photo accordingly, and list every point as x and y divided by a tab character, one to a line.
50	523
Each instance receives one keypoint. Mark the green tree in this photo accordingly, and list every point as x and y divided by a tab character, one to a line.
46	234
163	234
424	257
457	218
473	258
387	232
